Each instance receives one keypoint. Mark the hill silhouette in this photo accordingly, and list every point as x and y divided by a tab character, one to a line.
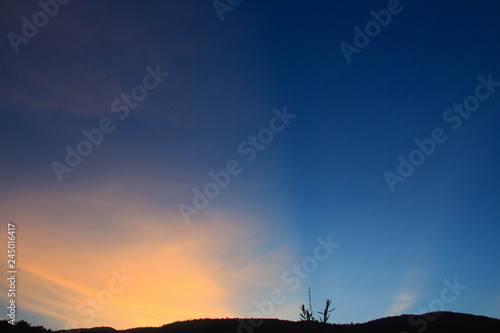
434	322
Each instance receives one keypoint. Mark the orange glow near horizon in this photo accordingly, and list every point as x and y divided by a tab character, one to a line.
179	272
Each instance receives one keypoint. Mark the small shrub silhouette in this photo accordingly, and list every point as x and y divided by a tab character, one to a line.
326	313
307	315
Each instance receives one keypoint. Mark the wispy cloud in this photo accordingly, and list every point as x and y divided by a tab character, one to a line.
401	303
408	292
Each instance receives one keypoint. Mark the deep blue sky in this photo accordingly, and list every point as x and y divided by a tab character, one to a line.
322	175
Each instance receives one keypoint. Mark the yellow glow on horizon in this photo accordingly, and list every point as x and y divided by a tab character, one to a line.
179	272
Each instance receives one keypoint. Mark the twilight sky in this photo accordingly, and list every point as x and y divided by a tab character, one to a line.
168	160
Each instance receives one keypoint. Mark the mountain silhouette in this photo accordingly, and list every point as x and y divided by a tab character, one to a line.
434	322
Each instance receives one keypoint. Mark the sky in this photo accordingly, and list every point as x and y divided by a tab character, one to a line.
172	160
